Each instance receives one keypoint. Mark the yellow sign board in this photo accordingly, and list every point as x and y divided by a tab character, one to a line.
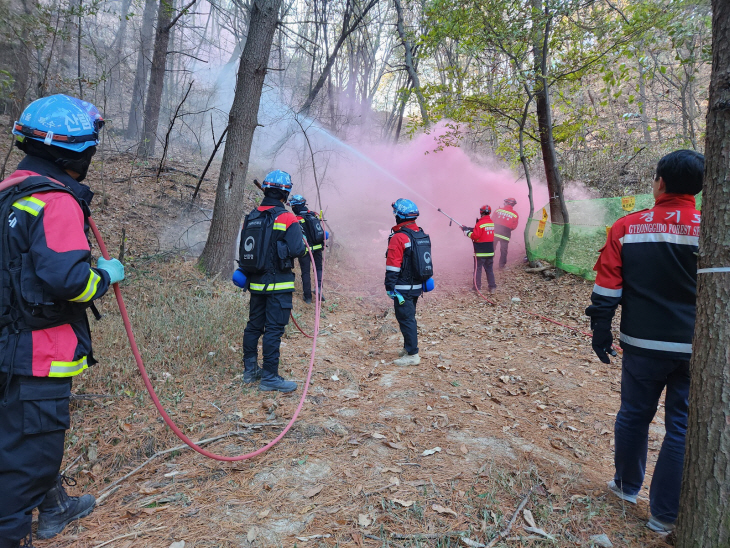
541	225
628	203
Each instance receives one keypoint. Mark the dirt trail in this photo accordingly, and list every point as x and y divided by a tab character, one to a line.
502	400
502	403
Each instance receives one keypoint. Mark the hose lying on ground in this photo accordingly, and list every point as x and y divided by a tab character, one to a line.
156	400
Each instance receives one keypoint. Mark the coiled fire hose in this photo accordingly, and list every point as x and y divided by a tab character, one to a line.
156	400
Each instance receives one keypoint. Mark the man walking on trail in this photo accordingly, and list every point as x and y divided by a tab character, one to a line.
649	266
505	221
316	235
46	284
482	235
270	239
407	266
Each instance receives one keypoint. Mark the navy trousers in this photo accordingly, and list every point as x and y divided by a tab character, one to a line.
406	315
267	316
34	417
485	263
305	265
642	381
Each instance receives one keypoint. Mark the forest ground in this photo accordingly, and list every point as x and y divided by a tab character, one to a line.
509	406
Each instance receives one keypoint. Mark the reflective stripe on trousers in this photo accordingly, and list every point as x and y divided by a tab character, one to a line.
408	287
271	287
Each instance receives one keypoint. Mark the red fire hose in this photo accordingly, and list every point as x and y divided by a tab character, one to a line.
317	284
156	400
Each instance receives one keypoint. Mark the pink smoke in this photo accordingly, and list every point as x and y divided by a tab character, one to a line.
357	199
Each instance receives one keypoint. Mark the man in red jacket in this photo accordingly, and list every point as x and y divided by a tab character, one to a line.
505	221
483	237
649	267
46	284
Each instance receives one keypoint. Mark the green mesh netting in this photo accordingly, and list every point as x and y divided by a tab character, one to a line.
588	222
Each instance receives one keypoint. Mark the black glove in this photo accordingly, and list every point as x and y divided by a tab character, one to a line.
602	340
465	229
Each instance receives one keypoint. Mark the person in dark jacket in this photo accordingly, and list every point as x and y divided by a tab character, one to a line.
271	290
316	239
399	276
47	283
649	267
482	235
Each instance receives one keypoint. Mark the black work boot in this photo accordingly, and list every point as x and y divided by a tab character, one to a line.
273	382
251	370
58	509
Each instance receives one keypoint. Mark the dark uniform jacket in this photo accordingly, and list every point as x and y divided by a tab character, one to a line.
398	264
287	230
649	267
303	222
50	255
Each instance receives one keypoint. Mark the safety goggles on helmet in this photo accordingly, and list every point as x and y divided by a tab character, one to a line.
405	209
510	201
61	121
278	179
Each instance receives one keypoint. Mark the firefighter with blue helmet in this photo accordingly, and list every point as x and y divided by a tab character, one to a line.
47	283
316	235
271	238
403	282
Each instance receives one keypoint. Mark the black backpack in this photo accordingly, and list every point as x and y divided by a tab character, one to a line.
256	236
420	260
313	229
20	305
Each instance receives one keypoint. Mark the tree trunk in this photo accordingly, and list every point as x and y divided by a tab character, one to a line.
644	102
219	250
558	209
408	46
118	48
347	29
157	78
140	75
704	515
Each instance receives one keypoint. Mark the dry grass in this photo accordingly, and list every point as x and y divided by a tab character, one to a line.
513	403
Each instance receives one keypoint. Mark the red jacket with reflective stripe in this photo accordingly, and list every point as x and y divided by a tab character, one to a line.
649	266
395	277
505	220
48	243
483	237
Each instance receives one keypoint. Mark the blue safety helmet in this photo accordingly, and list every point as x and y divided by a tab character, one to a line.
278	179
61	121
405	209
297	199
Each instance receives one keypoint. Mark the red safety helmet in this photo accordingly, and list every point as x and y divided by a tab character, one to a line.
485	210
510	201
